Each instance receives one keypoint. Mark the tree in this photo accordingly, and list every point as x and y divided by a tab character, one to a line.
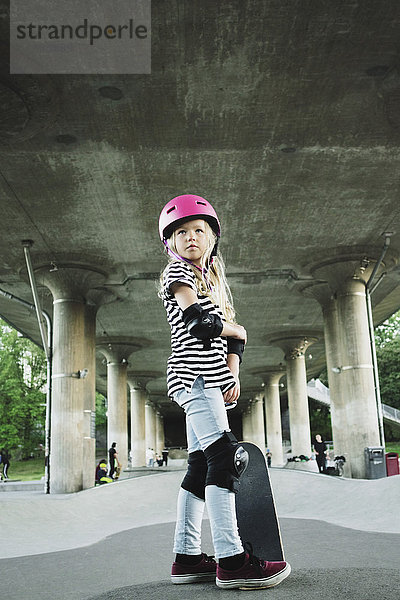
387	341
101	411
320	421
388	331
22	397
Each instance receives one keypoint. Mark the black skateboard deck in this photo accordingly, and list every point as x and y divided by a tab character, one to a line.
255	508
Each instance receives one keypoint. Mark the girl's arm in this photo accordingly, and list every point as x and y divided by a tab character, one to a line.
232	395
185	297
233	364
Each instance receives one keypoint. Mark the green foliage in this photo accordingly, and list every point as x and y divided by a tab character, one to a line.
388	332
389	372
27	470
22	378
392	447
387	340
101	411
320	421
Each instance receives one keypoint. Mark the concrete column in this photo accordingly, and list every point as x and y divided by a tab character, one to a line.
356	373
273	416
295	348
117	420
117	352
253	422
138	381
332	336
150	418
257	413
300	433
353	372
67	416
247	425
89	401
160	439
138	428
72	457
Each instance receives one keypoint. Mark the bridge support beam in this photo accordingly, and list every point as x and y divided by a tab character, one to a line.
141	420
352	380
138	427
150	422
332	336
72	447
273	416
117	352
89	399
117	421
160	437
247	432
257	413
294	348
253	422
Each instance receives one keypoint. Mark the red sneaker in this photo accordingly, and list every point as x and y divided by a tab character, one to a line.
254	574
203	571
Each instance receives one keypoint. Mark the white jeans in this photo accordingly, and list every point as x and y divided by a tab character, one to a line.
206	421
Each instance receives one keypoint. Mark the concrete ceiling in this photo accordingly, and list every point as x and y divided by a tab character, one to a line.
285	115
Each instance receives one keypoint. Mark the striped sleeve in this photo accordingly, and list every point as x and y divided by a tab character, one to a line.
177	272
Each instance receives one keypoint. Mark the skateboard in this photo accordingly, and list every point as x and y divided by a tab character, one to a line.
255	508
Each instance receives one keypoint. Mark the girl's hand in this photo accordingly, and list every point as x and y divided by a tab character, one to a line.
240	333
232	395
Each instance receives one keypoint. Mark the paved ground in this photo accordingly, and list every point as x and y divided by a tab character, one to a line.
114	542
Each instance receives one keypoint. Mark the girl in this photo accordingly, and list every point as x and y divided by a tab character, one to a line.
203	378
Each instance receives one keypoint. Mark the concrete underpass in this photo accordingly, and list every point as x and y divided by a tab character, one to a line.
285	116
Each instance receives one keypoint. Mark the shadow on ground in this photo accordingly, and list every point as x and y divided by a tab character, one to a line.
309	584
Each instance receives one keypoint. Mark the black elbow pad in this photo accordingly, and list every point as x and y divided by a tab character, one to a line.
236	346
202	324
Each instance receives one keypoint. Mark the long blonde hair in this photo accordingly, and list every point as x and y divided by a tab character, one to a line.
210	281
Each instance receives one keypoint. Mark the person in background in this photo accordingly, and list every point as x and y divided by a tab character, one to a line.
112	459
101	474
320	453
165	456
5	461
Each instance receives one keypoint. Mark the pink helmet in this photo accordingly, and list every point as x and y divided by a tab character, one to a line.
181	209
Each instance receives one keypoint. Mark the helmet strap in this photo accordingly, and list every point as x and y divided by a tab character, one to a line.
214	252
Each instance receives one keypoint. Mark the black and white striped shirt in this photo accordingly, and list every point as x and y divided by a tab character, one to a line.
190	358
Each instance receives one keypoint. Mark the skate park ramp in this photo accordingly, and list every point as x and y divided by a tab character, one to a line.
342	538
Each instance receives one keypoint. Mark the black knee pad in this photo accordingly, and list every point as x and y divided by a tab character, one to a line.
226	461
195	478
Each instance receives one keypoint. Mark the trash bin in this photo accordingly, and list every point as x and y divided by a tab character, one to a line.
375	462
392	464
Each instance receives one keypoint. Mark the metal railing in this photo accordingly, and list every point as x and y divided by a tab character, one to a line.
391	413
319	392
